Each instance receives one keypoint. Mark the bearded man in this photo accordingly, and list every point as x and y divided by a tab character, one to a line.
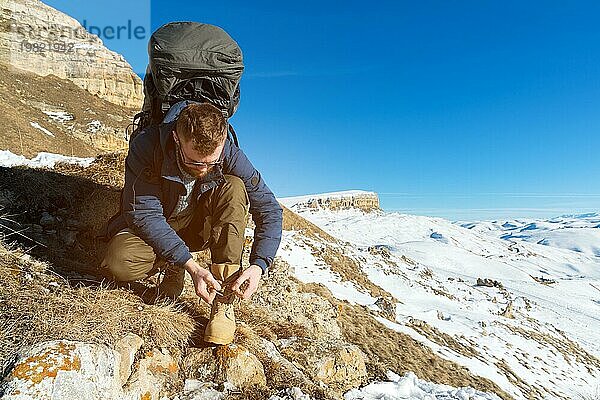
188	187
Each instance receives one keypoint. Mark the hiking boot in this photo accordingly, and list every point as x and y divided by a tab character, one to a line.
220	328
171	285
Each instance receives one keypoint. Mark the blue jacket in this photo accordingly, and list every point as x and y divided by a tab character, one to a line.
149	196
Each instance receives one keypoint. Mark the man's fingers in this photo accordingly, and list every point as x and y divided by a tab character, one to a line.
211	297
202	292
249	291
213	282
238	282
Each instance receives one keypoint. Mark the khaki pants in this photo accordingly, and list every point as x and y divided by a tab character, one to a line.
217	222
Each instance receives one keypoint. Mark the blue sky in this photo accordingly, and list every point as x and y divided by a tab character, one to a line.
465	110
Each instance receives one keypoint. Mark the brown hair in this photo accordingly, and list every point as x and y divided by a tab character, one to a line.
204	125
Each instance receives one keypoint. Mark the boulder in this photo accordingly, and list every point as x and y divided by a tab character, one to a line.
231	365
64	370
337	364
69	370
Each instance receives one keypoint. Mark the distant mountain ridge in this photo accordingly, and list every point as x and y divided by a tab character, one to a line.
576	232
358	199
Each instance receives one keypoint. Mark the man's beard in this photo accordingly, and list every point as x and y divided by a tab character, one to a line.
195	173
191	171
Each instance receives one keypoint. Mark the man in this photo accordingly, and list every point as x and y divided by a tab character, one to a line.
188	188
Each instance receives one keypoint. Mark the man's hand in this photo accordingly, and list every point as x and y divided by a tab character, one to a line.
203	281
252	274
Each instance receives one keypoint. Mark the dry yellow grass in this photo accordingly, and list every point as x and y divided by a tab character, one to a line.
107	169
38	305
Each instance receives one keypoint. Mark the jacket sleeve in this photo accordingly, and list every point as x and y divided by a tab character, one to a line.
142	207
266	211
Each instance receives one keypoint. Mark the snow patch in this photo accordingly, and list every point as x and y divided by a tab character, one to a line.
42	160
433	266
94	126
410	387
59	116
41	128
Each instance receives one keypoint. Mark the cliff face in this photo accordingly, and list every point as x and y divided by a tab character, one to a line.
37	38
362	200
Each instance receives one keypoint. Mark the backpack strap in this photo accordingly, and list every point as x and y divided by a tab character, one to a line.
233	136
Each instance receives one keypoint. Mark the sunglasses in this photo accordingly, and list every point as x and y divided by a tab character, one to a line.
195	163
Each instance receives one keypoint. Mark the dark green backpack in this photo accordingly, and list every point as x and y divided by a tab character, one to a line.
190	61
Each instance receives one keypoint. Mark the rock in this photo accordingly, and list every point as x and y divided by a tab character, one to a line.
381	250
70	370
387	308
68	237
240	367
508	311
284	300
63	370
441	316
194	389
489	283
337	364
154	371
285	366
81	58
199	364
230	364
342	369
293	393
127	347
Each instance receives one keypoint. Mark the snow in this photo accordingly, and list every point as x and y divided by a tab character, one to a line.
308	269
433	266
41	128
59	116
578	233
42	160
94	126
410	387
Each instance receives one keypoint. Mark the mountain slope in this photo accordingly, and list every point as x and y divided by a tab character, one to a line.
485	302
54	115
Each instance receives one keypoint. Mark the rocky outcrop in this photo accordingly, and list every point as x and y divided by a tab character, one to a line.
362	200
232	364
322	354
74	370
39	39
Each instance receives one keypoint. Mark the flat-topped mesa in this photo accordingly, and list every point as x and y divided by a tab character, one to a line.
38	38
358	199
